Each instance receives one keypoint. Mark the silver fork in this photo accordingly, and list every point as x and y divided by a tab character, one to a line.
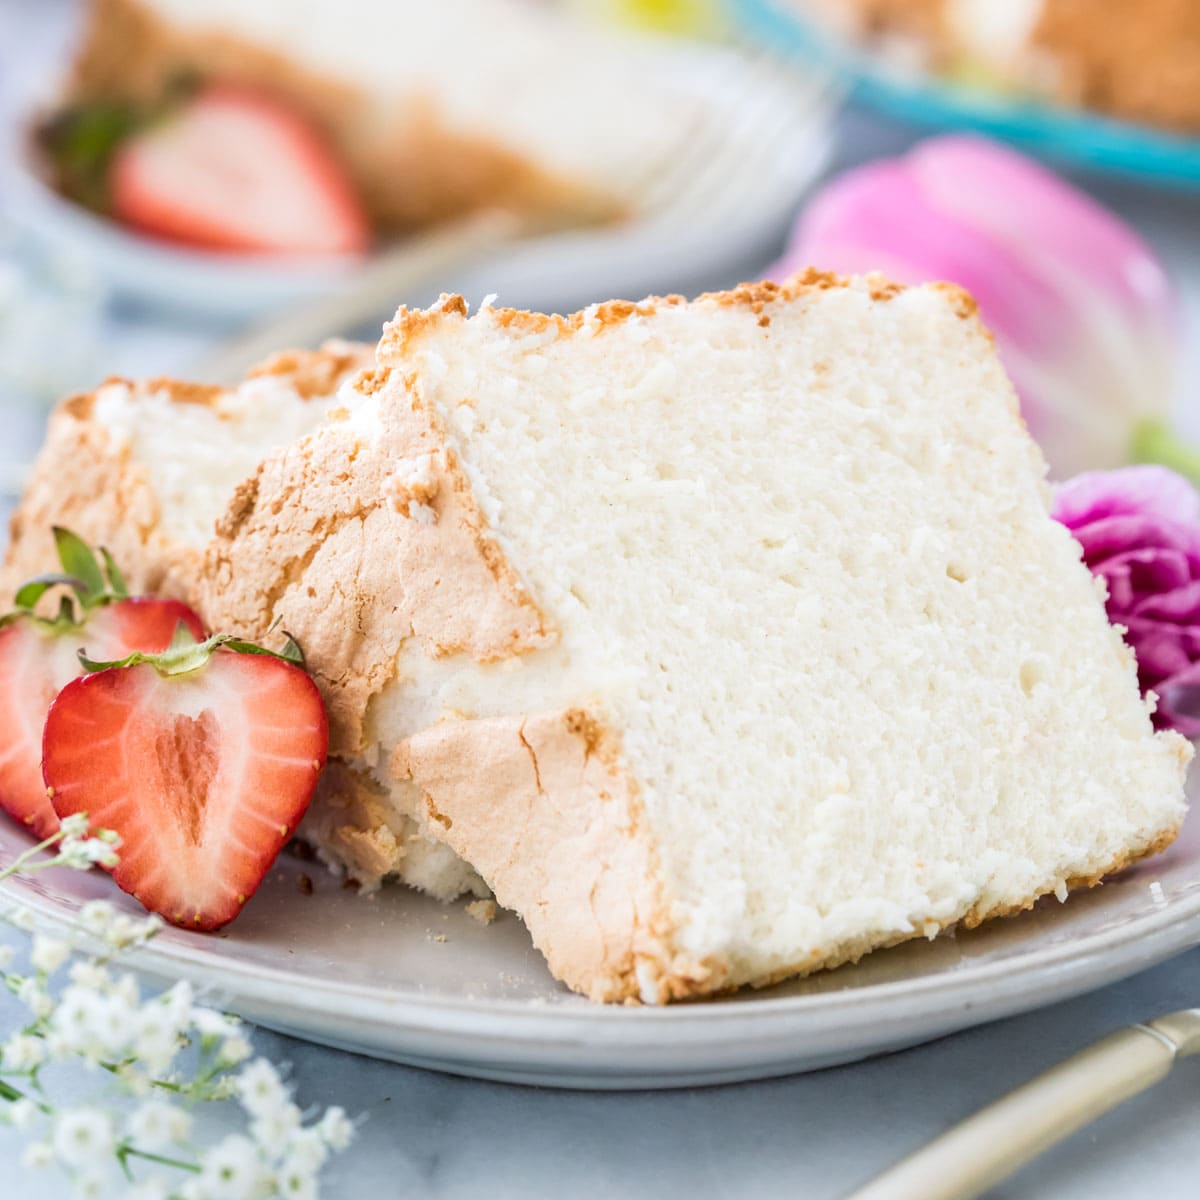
989	1146
707	174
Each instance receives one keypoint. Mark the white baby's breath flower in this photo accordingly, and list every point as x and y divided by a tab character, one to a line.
260	1089
19	917
82	1135
125	989
96	916
89	975
74	826
154	1188
207	1022
20	1114
22	1053
157	1124
156	1041
91	1183
37	1155
305	1151
295	1184
336	1128
32	993
234	1050
48	954
6	957
232	1169
274	1127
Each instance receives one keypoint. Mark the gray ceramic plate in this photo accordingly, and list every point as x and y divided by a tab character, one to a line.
401	977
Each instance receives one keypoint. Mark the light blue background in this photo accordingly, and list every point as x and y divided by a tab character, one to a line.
807	1138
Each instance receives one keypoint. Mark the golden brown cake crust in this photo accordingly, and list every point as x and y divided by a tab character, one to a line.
543	809
353	572
411	170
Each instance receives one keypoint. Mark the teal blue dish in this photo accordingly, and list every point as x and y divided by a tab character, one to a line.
1069	136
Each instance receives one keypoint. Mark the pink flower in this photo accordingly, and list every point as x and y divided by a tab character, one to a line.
1082	311
1140	532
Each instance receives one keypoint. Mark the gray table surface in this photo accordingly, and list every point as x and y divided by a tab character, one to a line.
807	1137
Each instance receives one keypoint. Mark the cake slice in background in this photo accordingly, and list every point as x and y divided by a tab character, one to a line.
436	109
1138	60
146	468
722	641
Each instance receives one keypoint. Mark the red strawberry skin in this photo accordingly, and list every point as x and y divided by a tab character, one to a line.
235	170
36	663
205	775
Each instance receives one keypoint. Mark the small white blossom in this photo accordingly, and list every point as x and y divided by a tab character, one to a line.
233	1050
232	1169
34	996
81	853
96	916
90	975
306	1151
48	954
260	1089
37	1155
336	1128
91	1184
155	1037
295	1184
153	1188
82	1135
19	918
22	1053
157	1124
6	957
74	826
275	1126
209	1023
20	1114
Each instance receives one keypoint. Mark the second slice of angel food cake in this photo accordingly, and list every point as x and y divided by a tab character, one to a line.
724	640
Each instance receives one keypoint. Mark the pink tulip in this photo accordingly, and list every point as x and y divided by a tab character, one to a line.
1083	313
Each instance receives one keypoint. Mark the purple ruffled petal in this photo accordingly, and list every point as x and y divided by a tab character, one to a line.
1134	576
1162	649
1151	491
1115	535
1179	702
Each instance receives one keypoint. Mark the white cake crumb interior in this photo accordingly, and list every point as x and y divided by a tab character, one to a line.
803	565
195	455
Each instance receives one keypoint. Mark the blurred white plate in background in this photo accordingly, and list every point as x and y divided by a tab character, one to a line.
741	103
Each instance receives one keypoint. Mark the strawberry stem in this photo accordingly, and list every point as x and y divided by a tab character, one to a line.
185	654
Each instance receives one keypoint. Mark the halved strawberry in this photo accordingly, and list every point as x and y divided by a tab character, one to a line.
203	758
235	170
39	655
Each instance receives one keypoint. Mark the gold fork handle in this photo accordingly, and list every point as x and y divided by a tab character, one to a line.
992	1144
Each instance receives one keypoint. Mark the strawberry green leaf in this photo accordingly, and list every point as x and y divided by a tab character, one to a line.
116	581
33	590
80	563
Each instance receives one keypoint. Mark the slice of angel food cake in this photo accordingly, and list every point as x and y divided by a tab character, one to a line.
724	640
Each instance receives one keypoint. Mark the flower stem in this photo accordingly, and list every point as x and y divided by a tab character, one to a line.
8	1092
23	859
161	1159
1156	442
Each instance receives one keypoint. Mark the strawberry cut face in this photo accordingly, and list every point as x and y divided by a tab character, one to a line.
36	662
205	775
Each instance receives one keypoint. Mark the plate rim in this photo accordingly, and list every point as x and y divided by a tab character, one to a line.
1131	946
